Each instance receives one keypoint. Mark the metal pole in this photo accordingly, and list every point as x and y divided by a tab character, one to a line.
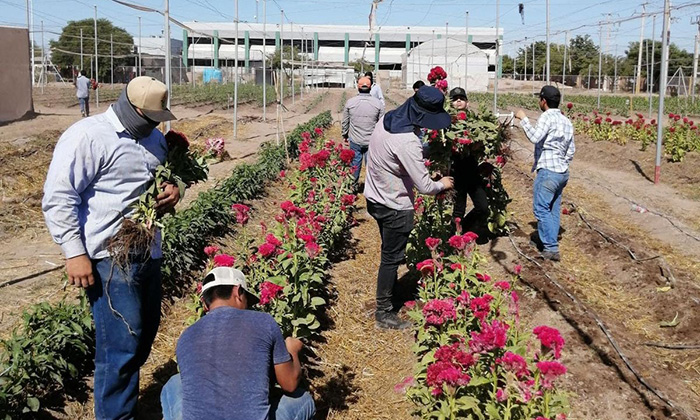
563	67
638	82
497	67
194	43
695	68
589	77
264	64
257	5
303	63
168	58
525	69
281	57
43	57
653	48
235	79
446	32
432	49
97	77
111	59
548	68
600	61
533	66
140	68
291	47
466	54
666	35
615	76
81	49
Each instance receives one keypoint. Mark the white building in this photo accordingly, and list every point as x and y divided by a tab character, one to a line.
211	44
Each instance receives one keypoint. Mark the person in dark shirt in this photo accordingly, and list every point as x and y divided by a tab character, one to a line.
468	180
228	357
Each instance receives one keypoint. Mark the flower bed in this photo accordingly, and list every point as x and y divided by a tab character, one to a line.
475	359
54	342
288	269
680	136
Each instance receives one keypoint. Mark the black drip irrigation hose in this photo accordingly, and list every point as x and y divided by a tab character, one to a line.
30	276
604	329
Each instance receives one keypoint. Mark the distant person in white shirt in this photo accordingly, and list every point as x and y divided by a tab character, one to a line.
553	137
375	91
82	86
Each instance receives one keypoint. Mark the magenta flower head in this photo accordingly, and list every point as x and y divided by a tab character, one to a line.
211	250
550	338
224	260
269	292
439	311
241	211
432	243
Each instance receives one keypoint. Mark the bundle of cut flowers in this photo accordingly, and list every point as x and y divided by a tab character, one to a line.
475	359
288	266
182	168
436	73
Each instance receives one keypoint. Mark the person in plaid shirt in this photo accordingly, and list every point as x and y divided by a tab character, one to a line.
553	137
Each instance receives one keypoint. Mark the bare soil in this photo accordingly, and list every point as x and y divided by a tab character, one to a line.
357	366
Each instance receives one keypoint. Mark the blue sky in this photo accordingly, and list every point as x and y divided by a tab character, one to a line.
564	15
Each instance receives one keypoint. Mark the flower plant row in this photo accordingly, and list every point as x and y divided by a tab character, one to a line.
288	267
680	136
55	342
475	358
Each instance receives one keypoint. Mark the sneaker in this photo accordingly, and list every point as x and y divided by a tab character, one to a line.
549	255
391	321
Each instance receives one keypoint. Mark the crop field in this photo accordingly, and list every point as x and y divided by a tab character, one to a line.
610	332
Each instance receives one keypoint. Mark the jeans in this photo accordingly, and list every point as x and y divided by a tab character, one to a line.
360	155
394	228
84	106
126	310
468	181
546	205
295	406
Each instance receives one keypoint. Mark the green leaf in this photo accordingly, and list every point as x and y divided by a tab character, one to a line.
317	301
33	404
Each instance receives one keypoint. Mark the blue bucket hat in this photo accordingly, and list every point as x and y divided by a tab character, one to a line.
425	109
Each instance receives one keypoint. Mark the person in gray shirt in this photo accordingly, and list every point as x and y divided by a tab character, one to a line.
394	167
360	115
82	86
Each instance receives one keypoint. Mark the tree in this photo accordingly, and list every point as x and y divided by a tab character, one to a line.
289	53
362	66
676	58
582	53
65	52
507	65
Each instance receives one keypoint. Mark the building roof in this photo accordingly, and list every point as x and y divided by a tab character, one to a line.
337	32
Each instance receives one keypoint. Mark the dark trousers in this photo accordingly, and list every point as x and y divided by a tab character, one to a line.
468	182
394	228
126	310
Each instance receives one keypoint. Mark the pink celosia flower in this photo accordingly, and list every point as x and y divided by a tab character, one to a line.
241	211
492	336
502	285
514	363
550	370
550	338
346	155
318	131
348	199
438	311
517	269
272	239
432	243
269	291
410	304
501	395
224	260
457	242
306	161
456	266
483	277
312	249
283	173
266	249
481	306
211	250
464	298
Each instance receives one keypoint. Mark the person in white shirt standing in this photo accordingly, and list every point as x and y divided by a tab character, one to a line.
376	90
82	86
553	137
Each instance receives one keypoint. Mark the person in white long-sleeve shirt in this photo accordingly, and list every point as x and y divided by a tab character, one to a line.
553	137
375	90
395	166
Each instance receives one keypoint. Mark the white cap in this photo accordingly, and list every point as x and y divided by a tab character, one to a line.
227	276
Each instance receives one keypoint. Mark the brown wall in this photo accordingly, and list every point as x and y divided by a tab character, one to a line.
15	74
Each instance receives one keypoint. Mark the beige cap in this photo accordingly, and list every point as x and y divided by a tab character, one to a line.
364	82
151	97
